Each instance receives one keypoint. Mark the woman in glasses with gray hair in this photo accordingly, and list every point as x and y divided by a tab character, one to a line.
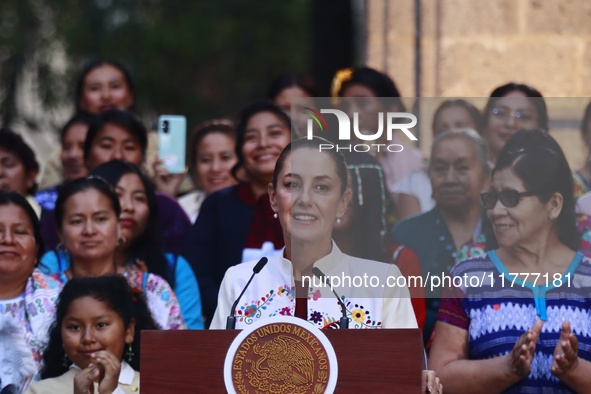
517	319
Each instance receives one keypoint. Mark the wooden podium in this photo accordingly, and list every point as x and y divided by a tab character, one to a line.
369	361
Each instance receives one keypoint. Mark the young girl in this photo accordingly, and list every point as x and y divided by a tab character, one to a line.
95	338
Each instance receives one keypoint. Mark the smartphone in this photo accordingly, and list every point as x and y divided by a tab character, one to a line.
172	136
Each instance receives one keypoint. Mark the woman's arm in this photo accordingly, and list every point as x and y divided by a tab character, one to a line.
449	358
187	292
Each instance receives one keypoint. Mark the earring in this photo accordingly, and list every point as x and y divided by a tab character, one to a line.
275	215
130	354
66	361
338	220
121	241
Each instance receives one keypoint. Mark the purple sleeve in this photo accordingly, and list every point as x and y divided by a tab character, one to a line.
175	223
451	310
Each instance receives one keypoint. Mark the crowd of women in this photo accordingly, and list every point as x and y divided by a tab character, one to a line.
113	244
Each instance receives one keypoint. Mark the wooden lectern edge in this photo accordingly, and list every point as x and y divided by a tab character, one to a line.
192	361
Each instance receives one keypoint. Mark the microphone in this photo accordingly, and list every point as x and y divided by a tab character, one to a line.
231	320
344	321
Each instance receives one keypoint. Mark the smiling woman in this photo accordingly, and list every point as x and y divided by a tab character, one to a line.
236	224
27	297
309	193
212	154
537	331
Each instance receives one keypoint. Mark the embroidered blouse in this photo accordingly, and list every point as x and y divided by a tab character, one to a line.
272	292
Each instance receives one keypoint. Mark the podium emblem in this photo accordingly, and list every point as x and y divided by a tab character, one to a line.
281	355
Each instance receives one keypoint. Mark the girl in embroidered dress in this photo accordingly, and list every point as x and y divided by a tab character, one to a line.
95	339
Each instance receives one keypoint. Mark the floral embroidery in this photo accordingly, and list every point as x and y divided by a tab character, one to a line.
285	311
316	317
252	310
314	295
358	315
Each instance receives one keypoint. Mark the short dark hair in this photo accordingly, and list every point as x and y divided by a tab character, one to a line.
124	119
118	296
82	184
382	85
94	65
14	143
537	159
472	111
7	198
286	81
244	118
535	98
313	144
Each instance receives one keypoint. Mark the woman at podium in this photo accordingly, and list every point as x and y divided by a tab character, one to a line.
309	195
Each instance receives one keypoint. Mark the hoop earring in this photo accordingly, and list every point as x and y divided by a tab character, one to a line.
275	215
130	353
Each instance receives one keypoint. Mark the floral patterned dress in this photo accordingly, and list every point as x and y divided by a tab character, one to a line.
24	329
272	293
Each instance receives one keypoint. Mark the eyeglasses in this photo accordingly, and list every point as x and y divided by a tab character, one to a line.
509	198
505	114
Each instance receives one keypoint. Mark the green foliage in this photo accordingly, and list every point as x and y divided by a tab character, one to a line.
200	58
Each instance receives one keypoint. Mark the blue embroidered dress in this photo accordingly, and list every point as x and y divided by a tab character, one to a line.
497	312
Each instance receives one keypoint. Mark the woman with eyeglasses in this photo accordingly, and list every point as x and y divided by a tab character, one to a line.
510	108
458	171
518	320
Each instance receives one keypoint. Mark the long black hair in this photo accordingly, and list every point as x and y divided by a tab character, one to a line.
148	247
118	296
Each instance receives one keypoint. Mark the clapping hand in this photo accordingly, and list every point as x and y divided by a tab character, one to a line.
522	354
566	352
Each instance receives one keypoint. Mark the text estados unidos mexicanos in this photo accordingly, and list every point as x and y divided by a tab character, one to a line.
434	281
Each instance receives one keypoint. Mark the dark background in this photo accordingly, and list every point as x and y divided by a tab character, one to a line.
203	59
